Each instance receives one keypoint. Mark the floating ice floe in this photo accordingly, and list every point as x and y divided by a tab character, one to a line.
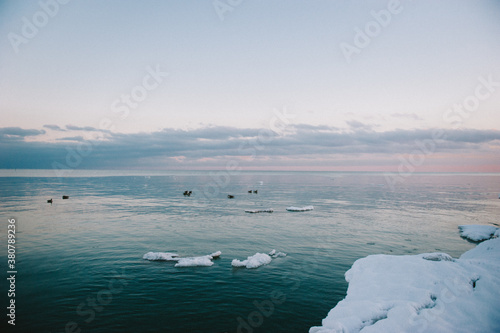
429	292
165	256
299	209
195	261
183	262
253	211
275	254
257	260
478	233
216	254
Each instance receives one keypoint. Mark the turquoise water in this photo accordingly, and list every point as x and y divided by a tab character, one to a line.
80	265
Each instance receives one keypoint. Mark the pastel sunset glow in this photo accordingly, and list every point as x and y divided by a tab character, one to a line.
410	86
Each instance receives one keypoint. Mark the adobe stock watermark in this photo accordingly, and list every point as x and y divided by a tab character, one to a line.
223	7
139	93
263	309
454	116
363	37
249	149
31	26
449	294
462	111
121	106
291	282
89	309
414	159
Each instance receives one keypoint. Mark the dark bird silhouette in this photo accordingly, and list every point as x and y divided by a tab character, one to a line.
65	196
230	196
255	191
49	201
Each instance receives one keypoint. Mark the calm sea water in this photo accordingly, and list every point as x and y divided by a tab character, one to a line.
80	265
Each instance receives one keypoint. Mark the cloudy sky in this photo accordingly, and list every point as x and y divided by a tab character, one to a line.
253	84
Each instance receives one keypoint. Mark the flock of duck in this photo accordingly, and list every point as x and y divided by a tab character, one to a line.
64	198
186	194
229	196
269	210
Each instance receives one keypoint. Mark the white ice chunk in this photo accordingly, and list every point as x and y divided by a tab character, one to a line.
216	254
183	262
166	256
478	232
300	209
389	293
254	261
195	261
254	211
198	261
275	254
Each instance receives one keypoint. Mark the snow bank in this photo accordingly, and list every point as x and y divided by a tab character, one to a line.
300	209
429	292
253	211
478	232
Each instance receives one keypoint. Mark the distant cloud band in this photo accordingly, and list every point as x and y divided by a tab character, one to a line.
217	144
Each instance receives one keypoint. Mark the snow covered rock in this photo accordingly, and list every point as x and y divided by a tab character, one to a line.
430	292
478	233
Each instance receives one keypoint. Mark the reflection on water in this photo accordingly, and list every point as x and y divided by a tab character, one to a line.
92	244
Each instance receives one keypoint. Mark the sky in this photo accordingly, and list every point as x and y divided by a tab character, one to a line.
260	85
